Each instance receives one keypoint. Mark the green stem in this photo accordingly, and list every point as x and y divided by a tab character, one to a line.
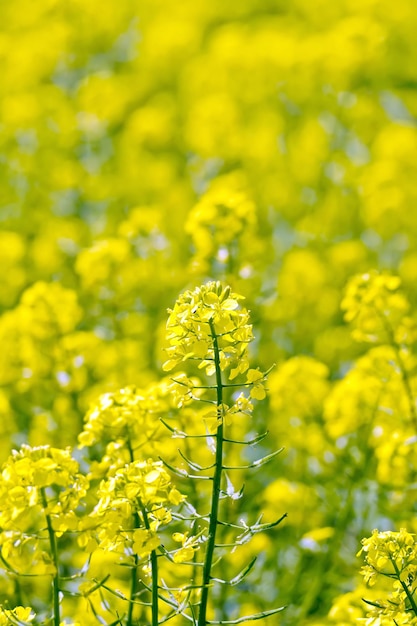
54	554
405	587
154	568
154	562
154	571
133	578
195	499
134	572
217	476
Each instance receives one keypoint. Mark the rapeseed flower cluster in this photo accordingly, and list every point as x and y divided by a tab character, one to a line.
124	510
392	555
375	304
31	472
389	553
130	414
189	328
212	313
151	146
132	504
222	226
18	615
39	487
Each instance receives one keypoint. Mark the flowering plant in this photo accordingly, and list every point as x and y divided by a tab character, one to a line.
122	506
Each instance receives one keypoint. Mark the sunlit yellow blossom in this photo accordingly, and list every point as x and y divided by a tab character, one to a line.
373	391
199	315
141	488
148	146
37	486
378	309
188	547
388	549
129	415
348	608
393	556
144	541
29	471
19	615
48	309
222	225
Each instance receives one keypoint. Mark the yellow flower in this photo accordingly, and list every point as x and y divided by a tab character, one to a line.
189	546
377	309
19	614
130	415
144	541
198	317
393	556
32	469
141	490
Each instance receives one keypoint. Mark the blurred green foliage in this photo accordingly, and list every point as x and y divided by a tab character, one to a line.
149	147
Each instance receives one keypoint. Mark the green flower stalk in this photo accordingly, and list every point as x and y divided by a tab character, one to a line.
209	326
215	500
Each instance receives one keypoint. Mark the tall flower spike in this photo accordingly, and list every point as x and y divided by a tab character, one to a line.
190	335
209	326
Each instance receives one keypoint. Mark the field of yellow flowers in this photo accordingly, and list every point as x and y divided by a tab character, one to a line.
208	328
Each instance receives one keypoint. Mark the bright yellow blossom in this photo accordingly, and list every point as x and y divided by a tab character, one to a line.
141	490
18	615
378	309
200	315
